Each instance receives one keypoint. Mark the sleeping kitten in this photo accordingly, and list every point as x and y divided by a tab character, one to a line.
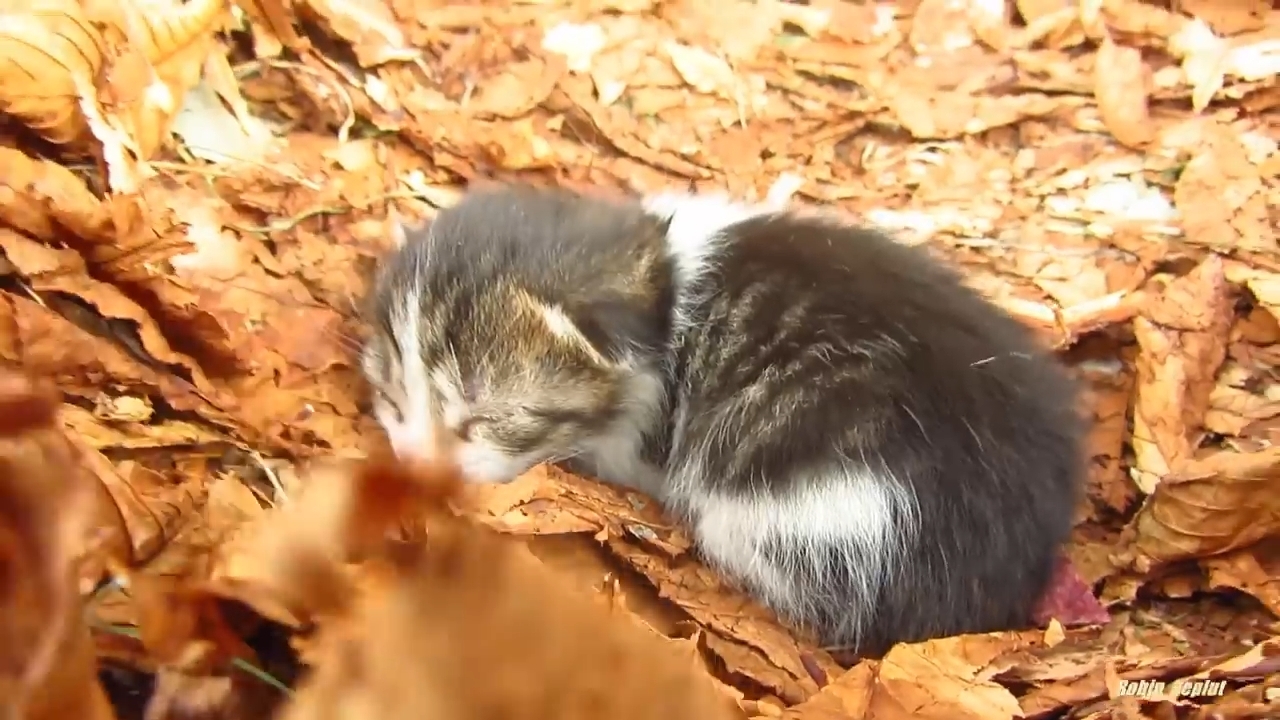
867	446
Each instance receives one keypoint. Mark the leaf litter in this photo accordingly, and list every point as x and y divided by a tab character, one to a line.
196	192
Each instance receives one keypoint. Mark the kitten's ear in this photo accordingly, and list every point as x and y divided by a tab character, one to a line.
400	231
397	229
613	329
398	234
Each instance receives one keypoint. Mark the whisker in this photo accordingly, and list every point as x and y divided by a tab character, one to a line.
559	458
346	340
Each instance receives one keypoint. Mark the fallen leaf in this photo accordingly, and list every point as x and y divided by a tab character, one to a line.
1221	197
1069	601
1182	335
1229	18
942	115
577	43
1212	505
703	71
943	679
519	88
1121	89
369	27
849	696
1251	570
461	575
47	510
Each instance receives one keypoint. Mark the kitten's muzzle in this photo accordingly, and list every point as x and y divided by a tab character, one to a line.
479	463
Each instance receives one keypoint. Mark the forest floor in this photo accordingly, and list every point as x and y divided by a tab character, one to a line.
194	193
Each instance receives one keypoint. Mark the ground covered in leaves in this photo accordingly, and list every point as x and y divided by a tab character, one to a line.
194	193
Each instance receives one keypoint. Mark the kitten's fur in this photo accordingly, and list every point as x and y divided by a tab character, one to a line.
868	446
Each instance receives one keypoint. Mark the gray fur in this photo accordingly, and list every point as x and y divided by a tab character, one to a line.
866	445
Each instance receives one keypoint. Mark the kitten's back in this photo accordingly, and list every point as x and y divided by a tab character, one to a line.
926	448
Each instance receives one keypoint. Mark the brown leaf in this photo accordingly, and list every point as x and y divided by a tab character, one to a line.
957	686
1182	335
944	115
1221	196
1229	18
848	697
1212	505
61	273
370	28
939	26
150	58
519	88
938	679
577	99
1120	78
1054	21
775	657
48	56
47	507
275	18
284	356
703	71
747	638
547	500
503	638
1246	400
1108	392
46	201
1254	570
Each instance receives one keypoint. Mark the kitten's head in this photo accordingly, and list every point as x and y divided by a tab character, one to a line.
464	346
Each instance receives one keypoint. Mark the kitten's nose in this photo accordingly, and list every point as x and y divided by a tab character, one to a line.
434	445
411	447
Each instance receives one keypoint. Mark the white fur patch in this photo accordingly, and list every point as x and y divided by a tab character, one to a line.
412	434
482	463
565	330
851	508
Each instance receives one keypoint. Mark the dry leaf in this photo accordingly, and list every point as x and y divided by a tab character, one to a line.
546	651
47	507
1212	505
1229	18
1221	196
704	72
368	26
1183	335
1121	89
1105	171
519	88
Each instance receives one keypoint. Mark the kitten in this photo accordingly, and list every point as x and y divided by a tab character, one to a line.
866	445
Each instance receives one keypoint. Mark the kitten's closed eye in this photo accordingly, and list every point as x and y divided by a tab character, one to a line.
515	434
560	415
